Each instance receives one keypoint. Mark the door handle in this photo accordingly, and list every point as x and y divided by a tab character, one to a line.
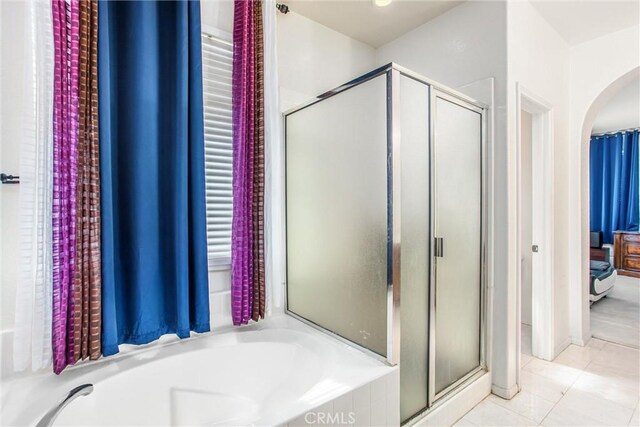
534	248
439	247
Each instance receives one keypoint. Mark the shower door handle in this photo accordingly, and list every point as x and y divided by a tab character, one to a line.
439	247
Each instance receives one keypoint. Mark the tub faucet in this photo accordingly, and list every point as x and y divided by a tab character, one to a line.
52	414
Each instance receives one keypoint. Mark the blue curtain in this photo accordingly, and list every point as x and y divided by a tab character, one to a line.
154	245
614	183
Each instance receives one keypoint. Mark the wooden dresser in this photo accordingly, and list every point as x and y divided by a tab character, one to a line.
626	253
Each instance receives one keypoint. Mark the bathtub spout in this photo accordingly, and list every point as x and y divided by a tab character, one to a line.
52	414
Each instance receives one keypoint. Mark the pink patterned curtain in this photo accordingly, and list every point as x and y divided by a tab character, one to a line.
247	240
76	185
66	17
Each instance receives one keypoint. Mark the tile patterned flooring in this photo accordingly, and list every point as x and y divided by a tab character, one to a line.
616	318
595	385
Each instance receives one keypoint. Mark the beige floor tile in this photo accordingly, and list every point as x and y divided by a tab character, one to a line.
464	422
488	413
542	386
564	417
635	418
596	343
594	385
561	374
577	357
525	358
596	408
526	404
623	358
616	374
617	317
615	389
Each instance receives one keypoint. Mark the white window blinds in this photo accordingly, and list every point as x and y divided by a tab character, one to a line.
217	60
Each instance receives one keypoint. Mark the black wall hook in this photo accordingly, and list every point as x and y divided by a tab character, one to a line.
283	8
9	179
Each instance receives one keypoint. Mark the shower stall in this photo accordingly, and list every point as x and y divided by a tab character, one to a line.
385	227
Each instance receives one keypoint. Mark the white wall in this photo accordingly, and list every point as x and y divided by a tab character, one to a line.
12	106
12	84
591	87
622	112
466	45
538	59
313	59
569	79
217	14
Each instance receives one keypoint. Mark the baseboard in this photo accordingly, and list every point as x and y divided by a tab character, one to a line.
586	337
579	341
505	393
559	349
6	354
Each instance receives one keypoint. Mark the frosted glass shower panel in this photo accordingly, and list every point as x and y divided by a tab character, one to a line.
414	264
336	213
458	213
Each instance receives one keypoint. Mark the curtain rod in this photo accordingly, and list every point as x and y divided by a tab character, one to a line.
615	131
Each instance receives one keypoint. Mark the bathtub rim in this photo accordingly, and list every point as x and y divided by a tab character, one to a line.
55	386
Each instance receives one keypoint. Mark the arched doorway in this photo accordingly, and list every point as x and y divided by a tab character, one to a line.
605	95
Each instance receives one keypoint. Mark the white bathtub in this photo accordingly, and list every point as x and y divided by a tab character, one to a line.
277	372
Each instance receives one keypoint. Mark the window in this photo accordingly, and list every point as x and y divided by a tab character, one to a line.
217	60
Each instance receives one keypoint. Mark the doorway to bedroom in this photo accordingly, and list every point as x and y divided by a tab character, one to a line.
614	254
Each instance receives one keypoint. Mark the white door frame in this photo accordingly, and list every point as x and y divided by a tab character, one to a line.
542	223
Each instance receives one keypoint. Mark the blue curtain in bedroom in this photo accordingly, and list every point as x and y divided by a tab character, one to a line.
614	183
154	259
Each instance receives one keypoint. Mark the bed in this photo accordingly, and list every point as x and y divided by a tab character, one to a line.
603	277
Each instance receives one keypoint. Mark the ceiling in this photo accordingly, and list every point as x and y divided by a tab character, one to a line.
580	21
622	112
577	21
375	26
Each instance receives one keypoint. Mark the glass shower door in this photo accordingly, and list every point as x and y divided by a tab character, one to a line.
456	288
